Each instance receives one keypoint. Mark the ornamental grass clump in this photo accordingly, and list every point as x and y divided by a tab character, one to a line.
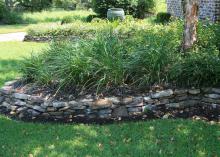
138	59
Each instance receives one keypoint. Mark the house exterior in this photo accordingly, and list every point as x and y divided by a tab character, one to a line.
208	9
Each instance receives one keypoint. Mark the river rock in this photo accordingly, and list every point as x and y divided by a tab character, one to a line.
137	102
102	103
161	94
148	100
6	90
36	99
216	90
20	96
59	104
209	100
149	107
77	105
5	104
21	109
114	100
194	91
33	113
180	91
39	108
127	100
51	109
136	109
13	108
213	96
20	103
121	111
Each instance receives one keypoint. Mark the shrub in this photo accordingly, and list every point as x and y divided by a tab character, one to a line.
136	8
143	7
163	17
2	9
12	18
209	34
9	17
197	69
34	5
91	17
84	30
70	19
66	4
54	16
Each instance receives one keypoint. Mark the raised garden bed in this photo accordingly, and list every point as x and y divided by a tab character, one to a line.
170	103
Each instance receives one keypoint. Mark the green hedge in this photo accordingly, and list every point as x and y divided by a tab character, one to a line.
84	30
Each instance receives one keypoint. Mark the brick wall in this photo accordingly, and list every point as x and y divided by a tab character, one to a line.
209	9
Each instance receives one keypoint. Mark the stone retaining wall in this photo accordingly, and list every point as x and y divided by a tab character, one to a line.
24	106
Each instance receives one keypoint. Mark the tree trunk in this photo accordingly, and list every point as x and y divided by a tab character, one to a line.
191	9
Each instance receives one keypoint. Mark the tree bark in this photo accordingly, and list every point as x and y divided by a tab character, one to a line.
191	9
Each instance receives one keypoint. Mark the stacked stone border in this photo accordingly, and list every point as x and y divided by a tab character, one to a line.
23	106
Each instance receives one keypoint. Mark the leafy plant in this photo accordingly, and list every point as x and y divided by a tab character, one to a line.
66	4
129	53
163	17
34	5
136	8
2	9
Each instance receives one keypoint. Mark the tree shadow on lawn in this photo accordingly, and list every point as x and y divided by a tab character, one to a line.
8	70
152	138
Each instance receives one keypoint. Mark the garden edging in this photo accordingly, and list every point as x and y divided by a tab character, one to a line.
24	106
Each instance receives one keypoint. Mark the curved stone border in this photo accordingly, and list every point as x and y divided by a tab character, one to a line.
50	38
23	106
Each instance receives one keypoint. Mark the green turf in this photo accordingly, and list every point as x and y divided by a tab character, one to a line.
11	54
165	138
12	28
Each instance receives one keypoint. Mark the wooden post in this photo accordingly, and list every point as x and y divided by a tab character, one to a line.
191	9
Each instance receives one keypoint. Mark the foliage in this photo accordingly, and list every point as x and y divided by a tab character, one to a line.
84	30
78	29
11	17
2	9
163	17
66	4
7	16
130	53
197	69
34	5
91	17
133	7
143	7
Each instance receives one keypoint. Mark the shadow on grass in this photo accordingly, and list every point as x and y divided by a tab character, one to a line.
153	138
8	70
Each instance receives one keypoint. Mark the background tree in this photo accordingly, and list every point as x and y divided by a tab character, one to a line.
190	9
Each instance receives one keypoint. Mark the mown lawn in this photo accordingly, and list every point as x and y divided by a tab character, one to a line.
167	138
11	54
12	28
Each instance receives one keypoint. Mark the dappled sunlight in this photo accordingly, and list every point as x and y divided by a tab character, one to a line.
11	55
167	137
